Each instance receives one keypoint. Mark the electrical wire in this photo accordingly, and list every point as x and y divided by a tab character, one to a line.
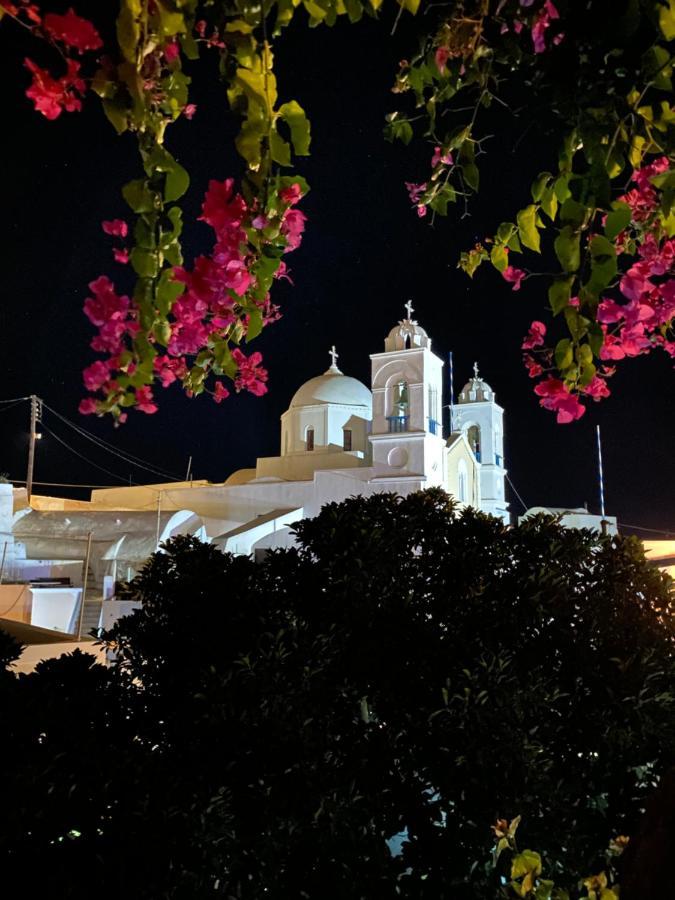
11	405
652	530
63	484
129	458
15	400
86	459
513	488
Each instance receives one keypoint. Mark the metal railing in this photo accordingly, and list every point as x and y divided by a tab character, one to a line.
398	423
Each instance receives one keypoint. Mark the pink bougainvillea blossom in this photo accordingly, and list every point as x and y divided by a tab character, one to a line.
88	406
555	395
52	96
121	255
116	228
171	51
440	157
293	226
251	375
144	400
540	25
73	31
291	194
535	336
597	389
190	110
534	368
441	57
96	375
513	276
220	392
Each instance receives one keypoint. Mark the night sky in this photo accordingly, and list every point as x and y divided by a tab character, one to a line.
364	254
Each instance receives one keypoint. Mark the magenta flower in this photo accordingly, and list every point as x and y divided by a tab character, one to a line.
251	376
555	396
220	392
535	336
513	276
96	375
116	228
73	31
190	110
87	406
52	96
144	400
440	58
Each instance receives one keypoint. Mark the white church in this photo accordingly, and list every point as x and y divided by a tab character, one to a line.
339	439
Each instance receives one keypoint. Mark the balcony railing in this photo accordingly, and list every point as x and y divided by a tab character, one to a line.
398	423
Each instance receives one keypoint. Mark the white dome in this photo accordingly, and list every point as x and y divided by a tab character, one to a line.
332	387
475	389
406	335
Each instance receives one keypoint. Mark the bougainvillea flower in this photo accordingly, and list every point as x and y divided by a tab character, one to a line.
220	392
291	194
171	51
190	110
121	255
52	96
292	226
251	376
87	406
513	276
144	400
415	191
222	208
597	389
535	336
440	157
95	375
105	306
441	57
555	395
73	31
116	228
534	369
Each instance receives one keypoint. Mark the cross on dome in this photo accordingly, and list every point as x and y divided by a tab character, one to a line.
475	370
409	309
333	356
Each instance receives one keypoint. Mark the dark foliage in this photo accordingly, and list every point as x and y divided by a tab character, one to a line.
269	726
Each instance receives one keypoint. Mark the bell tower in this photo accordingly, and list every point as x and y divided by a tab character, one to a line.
407	386
481	419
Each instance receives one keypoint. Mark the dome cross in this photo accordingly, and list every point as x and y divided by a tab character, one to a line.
409	309
475	370
333	356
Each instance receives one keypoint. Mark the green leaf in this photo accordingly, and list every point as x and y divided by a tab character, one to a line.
116	115
524	863
527	227
572	213
144	262
280	149
564	356
539	185
129	29
667	20
566	247
294	116
617	220
168	291
603	264
559	294
176	184
499	257
255	324
411	5
138	195
549	202
171	22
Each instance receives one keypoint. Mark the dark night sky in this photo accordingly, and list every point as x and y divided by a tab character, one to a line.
365	253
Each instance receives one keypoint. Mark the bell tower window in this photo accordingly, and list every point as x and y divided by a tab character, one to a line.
309	439
474	440
346	439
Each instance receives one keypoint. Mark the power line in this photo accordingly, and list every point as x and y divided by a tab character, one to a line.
81	456
15	400
129	458
11	404
513	488
652	530
65	484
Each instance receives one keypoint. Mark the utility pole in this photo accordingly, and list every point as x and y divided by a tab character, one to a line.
35	411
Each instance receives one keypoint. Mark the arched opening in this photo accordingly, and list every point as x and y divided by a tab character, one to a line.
462	482
309	439
399	417
407	342
473	436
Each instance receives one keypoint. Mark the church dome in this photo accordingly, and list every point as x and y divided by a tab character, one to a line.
476	389
332	387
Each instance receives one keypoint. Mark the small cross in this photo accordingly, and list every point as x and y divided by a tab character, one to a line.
409	309
333	355
475	370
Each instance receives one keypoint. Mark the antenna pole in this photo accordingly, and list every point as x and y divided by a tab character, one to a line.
34	413
600	475
451	402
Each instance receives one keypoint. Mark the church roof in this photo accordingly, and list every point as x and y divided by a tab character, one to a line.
332	387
